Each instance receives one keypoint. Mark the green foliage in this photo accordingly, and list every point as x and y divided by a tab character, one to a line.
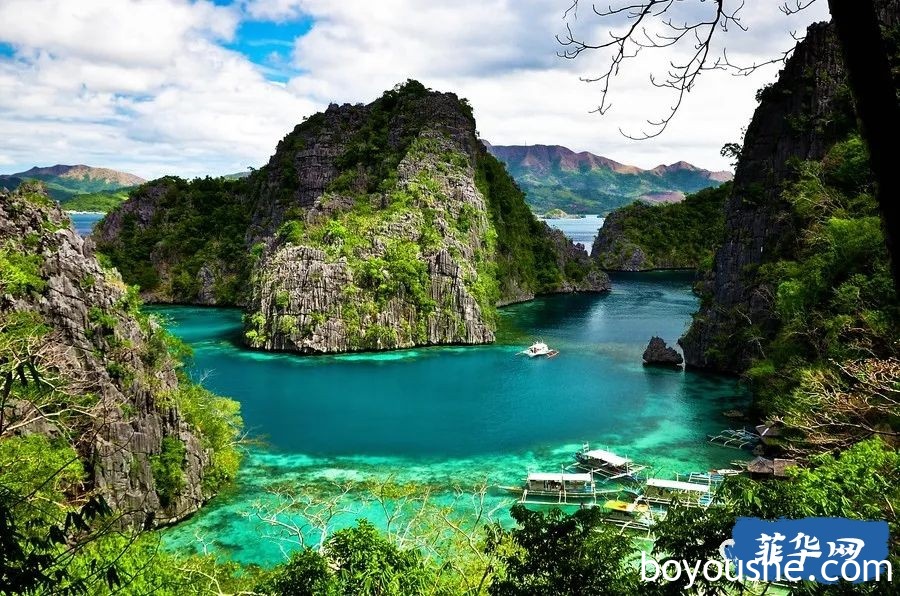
359	561
564	554
168	470
218	421
373	151
525	254
101	202
863	483
834	299
19	272
675	235
197	223
306	574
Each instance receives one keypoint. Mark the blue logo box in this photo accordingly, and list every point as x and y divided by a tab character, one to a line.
820	549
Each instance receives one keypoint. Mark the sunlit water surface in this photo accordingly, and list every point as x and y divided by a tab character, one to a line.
84	221
582	230
457	416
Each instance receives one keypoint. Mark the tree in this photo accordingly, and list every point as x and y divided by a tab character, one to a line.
637	25
555	553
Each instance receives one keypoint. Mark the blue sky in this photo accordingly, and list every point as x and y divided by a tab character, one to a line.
192	87
270	45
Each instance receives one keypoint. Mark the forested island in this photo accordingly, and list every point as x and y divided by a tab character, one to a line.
683	235
372	227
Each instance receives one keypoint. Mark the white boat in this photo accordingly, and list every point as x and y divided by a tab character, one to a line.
607	464
663	492
560	487
539	349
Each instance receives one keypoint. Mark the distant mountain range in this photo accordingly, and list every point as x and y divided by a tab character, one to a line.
554	177
66	182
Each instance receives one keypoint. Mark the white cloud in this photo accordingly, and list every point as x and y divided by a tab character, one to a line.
273	10
141	85
149	86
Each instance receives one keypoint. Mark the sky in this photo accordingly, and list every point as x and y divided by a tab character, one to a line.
156	87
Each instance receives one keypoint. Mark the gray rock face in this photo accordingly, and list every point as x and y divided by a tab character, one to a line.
659	354
799	117
318	296
119	365
613	251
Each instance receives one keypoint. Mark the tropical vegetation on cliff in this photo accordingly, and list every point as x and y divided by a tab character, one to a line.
681	235
372	227
102	433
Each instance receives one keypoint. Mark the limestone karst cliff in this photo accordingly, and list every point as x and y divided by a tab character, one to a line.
799	118
372	227
85	368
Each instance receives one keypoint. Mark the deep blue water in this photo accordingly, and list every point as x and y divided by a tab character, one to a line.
84	222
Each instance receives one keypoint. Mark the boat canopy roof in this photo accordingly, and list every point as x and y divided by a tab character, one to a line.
559	477
677	485
608	457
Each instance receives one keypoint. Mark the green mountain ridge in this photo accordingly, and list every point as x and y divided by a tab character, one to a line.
682	235
555	177
64	182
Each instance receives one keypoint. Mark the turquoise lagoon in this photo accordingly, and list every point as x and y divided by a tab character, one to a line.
456	416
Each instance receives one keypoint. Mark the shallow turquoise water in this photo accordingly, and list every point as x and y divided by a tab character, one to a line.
458	416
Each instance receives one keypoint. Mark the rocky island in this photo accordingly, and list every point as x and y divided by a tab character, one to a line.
660	354
372	227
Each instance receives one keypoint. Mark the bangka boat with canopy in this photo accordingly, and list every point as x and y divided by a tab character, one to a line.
607	464
560	487
539	348
661	492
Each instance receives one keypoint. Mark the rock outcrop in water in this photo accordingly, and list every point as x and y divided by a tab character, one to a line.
112	376
659	354
372	227
799	118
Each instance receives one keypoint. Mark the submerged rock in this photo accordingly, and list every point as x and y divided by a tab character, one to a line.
659	354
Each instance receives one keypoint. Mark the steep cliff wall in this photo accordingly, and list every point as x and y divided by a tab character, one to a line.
372	227
799	117
99	374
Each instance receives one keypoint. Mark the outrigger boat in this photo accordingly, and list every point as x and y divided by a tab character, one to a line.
661	492
607	464
539	348
627	515
735	438
560	487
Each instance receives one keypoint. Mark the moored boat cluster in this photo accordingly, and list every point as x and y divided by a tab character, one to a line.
632	501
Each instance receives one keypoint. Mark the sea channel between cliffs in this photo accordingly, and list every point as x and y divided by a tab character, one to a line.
448	419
